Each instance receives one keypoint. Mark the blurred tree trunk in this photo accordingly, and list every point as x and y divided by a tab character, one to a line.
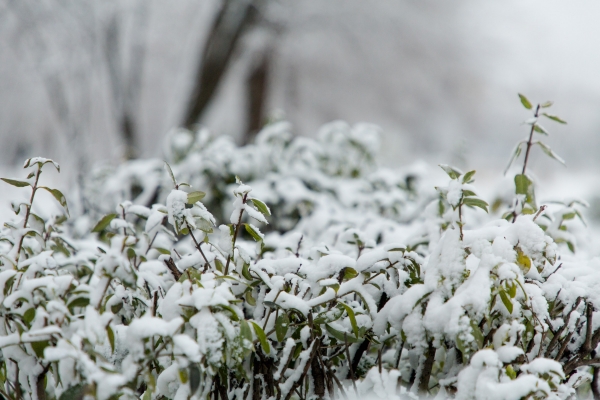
257	88
232	20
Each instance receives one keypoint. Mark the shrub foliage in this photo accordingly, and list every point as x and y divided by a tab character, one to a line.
340	279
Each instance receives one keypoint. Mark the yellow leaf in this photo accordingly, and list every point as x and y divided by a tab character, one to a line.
523	261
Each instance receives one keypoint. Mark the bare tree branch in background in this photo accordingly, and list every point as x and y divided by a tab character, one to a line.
235	17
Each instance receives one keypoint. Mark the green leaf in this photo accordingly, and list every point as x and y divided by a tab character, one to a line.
262	338
352	317
245	331
78	302
452	172
29	315
547	104
262	207
468	178
540	129
523	185
170	171
550	153
334	286
507	303
58	196
251	300
554	118
510	371
104	222
111	338
115	308
73	392
219	266
477	334
340	336
255	235
15	182
526	103
234	316
193	197
194	373
350	273
39	347
37	222
281	326
41	162
516	153
246	272
131	253
183	376
475	202
523	261
512	291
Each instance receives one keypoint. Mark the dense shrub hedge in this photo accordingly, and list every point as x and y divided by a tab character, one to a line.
339	279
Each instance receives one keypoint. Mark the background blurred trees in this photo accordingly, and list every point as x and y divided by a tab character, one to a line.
91	80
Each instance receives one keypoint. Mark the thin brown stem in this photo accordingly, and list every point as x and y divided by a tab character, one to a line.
426	371
304	372
196	243
335	378
235	234
564	346
529	144
173	268
297	254
460	225
589	312
530	141
28	212
155	303
151	243
123	216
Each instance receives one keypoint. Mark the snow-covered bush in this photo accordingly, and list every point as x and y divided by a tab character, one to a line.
339	279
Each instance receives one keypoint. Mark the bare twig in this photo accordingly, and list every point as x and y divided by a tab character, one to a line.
589	312
540	211
173	268
155	303
196	243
